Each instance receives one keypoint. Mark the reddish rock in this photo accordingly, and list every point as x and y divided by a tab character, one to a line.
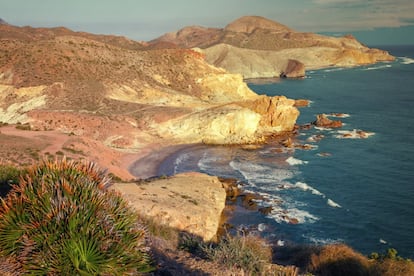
294	69
301	103
288	143
323	121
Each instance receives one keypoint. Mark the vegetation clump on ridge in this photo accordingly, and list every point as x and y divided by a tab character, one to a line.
62	220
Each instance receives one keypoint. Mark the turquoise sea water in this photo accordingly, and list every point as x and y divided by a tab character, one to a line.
357	191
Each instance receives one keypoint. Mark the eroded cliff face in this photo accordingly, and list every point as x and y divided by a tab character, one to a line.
240	122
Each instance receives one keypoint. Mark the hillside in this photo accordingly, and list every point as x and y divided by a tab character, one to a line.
110	94
258	47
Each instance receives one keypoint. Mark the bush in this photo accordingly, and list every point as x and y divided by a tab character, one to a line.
9	175
339	259
391	264
247	252
62	220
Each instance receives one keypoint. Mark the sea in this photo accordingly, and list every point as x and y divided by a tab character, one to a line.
352	185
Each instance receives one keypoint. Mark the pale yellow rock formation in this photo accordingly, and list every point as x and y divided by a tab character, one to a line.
269	64
191	202
234	123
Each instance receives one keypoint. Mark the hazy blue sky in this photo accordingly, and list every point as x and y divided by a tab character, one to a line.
372	21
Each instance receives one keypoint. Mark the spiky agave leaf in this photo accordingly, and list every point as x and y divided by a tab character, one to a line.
63	217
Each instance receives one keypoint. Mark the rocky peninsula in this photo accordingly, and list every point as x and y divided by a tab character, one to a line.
257	47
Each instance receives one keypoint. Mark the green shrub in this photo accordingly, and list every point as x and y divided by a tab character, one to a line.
9	175
247	252
62	220
190	243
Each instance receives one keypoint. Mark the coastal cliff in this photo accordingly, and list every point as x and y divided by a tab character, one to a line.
257	47
110	95
191	202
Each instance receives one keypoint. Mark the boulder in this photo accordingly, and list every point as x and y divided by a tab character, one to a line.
302	103
191	202
294	69
323	121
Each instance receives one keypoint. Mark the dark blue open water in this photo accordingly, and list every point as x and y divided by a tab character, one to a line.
357	191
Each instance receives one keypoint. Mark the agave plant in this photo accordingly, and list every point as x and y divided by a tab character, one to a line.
62	220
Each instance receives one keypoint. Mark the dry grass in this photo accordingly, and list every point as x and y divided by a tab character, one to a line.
339	259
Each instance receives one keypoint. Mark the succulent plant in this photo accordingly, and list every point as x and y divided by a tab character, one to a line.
61	219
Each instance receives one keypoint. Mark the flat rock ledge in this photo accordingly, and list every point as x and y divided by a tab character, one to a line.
191	202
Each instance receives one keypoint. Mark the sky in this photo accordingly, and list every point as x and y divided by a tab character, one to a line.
373	22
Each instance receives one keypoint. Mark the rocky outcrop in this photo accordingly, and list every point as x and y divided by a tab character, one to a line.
323	121
235	123
278	114
257	47
191	202
294	69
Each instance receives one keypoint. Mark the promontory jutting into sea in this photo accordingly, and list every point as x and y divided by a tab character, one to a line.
344	187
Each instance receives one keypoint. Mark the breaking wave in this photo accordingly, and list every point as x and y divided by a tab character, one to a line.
333	203
181	159
306	187
407	60
353	134
379	67
294	161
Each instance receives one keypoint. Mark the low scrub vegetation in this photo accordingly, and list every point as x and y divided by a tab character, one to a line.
339	259
9	175
242	252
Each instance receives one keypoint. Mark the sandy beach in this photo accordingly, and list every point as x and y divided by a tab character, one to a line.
147	163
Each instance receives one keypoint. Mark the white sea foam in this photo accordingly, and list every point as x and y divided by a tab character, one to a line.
377	67
256	173
207	161
280	243
291	215
353	134
181	159
333	203
323	128
315	138
306	187
261	227
334	69
294	161
339	115
321	241
407	60
382	241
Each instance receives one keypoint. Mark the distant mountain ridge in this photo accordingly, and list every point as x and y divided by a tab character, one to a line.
239	47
